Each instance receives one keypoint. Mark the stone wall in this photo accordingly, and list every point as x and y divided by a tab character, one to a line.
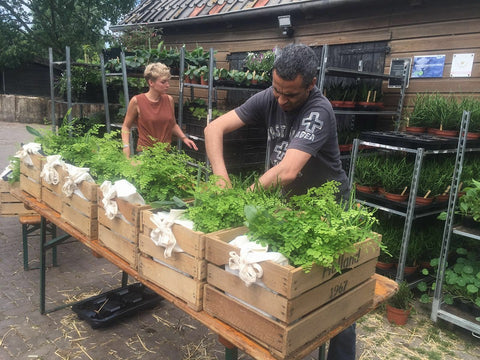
32	109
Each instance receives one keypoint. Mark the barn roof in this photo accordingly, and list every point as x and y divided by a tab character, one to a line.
164	13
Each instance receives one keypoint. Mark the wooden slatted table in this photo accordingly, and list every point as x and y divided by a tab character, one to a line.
228	336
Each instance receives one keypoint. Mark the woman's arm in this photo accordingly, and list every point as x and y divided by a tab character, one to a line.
178	132
131	118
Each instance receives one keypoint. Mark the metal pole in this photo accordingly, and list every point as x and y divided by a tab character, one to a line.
69	85
105	93
407	228
125	95
180	93
52	91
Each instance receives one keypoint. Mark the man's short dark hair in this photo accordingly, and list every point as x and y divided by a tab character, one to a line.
296	59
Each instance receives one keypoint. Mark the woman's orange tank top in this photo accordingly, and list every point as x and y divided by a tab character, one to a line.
155	121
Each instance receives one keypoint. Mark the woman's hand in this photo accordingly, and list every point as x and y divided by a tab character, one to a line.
190	143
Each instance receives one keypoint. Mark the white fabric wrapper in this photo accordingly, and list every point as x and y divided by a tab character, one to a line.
251	253
162	235
74	177
121	189
49	173
24	153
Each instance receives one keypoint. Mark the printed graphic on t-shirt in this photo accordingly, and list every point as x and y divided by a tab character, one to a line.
280	150
310	124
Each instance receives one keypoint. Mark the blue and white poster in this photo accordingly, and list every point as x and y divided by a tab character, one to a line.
430	66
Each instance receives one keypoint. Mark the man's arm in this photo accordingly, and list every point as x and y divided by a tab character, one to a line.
286	170
214	133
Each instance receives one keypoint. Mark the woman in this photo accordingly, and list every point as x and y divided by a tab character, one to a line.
153	112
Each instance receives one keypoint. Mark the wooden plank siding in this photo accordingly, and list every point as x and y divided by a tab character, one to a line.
431	28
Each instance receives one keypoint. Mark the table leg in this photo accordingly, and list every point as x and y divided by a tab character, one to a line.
322	352
43	233
124	278
53	232
231	351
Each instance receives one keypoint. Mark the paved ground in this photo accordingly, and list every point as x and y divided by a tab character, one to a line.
163	332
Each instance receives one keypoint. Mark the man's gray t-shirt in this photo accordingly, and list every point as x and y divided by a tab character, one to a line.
311	128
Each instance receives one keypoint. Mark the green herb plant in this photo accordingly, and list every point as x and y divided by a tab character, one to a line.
403	298
217	208
462	279
313	228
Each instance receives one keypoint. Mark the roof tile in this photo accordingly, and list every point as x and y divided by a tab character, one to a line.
170	10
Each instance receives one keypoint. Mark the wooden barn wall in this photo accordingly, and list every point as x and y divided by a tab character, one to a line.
433	28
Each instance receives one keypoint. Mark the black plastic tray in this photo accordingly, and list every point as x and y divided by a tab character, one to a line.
104	309
414	141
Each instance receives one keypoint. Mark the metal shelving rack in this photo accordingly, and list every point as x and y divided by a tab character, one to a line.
411	213
325	70
212	94
439	310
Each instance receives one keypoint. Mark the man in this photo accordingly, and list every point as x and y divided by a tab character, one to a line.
302	138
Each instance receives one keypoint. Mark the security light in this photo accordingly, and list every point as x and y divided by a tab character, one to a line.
285	24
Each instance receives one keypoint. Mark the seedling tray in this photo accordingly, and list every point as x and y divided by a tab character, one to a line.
414	141
104	309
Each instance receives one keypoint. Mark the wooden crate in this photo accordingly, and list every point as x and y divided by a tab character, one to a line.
183	274
120	235
80	212
289	303
9	204
30	180
52	195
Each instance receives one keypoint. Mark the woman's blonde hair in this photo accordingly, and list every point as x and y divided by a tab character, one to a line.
155	70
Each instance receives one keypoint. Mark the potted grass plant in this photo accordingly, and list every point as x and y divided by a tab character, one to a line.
366	173
395	174
400	304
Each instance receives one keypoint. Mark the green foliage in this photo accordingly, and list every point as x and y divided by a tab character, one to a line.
160	173
260	61
367	168
82	76
462	279
395	173
313	228
37	25
403	298
436	111
469	204
436	175
216	208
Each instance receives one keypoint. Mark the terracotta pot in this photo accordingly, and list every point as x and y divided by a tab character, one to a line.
336	103
381	190
397	316
396	197
348	104
473	136
203	81
193	81
442	198
345	147
409	270
365	189
446	133
383	265
416	129
420	200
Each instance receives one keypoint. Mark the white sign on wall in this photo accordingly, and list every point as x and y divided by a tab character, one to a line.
462	65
